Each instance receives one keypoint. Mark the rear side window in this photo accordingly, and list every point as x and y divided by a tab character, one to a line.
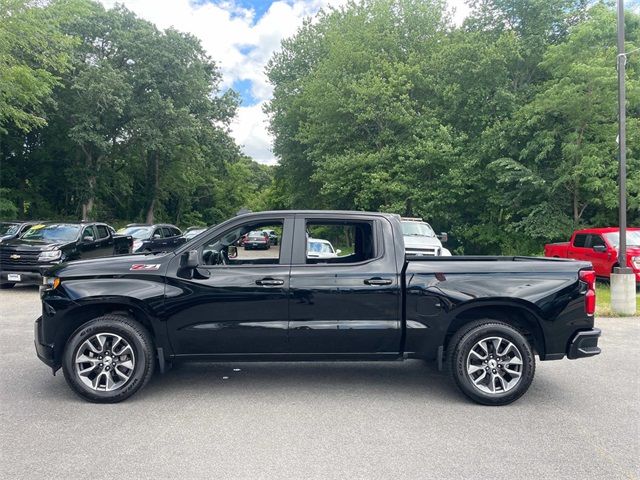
167	232
339	242
580	240
102	231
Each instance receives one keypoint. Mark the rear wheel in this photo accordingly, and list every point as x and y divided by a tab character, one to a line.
491	362
108	359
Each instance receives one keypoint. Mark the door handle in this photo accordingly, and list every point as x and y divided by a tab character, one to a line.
269	282
377	281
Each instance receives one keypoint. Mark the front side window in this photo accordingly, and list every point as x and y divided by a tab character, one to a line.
247	244
89	232
59	232
339	242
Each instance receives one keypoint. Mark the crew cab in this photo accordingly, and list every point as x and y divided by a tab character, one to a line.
153	238
110	323
23	260
600	247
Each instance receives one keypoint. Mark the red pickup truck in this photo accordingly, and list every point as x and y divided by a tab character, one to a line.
600	247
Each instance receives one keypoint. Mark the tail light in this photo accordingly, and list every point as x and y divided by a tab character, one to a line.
589	277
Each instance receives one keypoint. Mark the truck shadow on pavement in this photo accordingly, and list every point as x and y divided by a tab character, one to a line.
408	378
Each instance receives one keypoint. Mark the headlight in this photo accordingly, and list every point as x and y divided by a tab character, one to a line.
51	282
49	255
636	262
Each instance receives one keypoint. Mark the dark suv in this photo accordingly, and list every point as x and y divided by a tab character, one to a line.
153	238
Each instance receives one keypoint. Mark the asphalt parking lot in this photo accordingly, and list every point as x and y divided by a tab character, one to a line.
580	419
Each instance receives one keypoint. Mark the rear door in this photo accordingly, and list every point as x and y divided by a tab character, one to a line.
104	240
349	304
578	249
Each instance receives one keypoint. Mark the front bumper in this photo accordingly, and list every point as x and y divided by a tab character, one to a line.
584	344
26	277
44	352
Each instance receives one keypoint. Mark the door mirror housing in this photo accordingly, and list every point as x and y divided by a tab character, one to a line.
87	239
599	248
338	252
156	236
191	259
232	251
444	237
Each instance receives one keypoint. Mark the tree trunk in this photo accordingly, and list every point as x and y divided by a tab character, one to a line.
87	205
154	192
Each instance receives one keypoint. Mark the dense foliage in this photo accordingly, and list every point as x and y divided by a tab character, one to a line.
104	116
501	131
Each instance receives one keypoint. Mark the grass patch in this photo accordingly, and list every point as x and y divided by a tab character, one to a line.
603	301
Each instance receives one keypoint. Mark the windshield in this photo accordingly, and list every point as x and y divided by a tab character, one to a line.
8	228
633	238
417	229
58	232
139	233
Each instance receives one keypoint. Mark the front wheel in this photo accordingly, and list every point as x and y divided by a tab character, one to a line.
108	359
491	362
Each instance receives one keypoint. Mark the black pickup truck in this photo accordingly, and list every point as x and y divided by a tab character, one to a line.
110	323
24	259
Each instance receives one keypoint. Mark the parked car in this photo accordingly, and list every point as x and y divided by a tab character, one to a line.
109	323
421	240
273	236
600	247
257	240
319	248
23	260
193	232
11	230
155	238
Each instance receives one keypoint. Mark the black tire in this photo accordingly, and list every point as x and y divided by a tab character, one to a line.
134	334
459	350
6	286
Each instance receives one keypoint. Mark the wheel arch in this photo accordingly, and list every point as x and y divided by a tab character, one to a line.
89	311
518	316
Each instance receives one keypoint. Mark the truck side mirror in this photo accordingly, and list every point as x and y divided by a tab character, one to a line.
599	248
87	239
443	237
191	259
232	251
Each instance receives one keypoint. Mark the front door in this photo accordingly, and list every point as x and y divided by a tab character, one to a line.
236	302
345	291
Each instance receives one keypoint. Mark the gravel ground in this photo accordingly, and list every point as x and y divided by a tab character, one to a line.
580	419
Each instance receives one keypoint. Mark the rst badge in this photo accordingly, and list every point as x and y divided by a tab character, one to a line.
145	266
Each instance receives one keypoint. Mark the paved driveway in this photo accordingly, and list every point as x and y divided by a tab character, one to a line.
580	419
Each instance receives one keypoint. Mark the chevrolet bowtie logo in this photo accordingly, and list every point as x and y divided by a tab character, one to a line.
15	256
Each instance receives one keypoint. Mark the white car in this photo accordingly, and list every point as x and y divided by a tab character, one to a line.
421	240
319	248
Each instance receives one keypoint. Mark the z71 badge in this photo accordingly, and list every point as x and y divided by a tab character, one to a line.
145	266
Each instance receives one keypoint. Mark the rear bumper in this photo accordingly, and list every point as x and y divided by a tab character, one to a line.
584	344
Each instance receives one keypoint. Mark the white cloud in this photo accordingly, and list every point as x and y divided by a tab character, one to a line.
249	128
242	45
